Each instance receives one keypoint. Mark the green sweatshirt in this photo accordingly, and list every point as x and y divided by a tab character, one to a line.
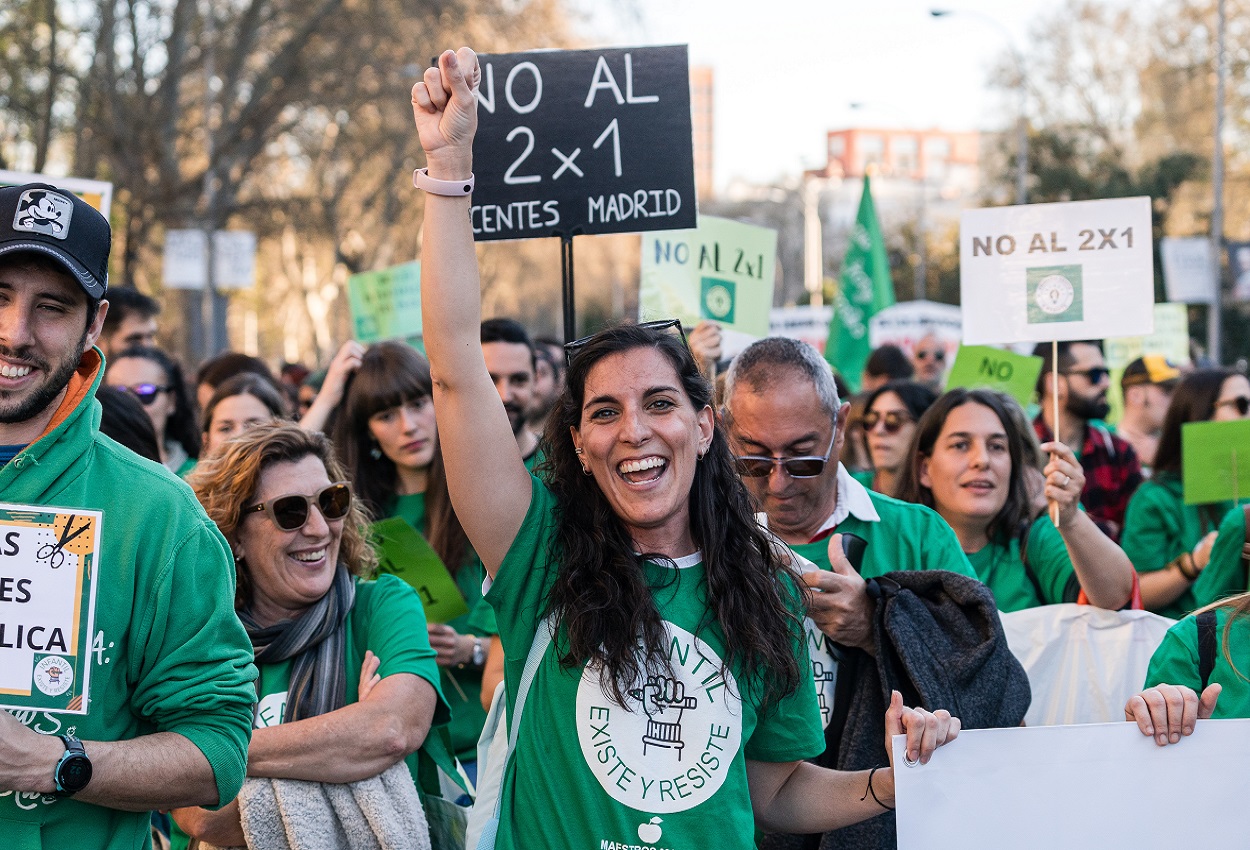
169	653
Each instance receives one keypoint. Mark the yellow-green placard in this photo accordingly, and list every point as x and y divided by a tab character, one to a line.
49	571
403	552
1170	340
1215	457
986	366
386	304
722	270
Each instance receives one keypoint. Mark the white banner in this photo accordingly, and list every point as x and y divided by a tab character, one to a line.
1042	272
1188	269
1103	785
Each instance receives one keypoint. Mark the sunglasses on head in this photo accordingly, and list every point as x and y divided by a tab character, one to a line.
290	513
758	466
571	348
1241	402
146	393
893	420
937	355
1095	375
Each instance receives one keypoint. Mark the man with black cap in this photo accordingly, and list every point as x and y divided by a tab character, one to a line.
165	717
1147	385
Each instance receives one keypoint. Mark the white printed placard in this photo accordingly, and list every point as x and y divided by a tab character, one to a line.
49	563
1042	272
1100	785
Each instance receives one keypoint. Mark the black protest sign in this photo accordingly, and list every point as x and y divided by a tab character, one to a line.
583	141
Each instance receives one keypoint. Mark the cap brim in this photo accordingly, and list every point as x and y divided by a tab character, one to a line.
94	288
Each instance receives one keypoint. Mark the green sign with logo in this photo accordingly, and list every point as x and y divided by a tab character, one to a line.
1055	294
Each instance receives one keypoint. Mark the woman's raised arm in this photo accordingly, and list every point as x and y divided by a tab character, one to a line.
489	486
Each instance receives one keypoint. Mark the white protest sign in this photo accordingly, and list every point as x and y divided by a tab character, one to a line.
906	323
1043	272
1188	269
98	193
808	323
1103	785
49	562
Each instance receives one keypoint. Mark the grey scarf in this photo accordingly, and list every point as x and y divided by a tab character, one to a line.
317	640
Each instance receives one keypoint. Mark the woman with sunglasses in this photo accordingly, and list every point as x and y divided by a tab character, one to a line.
155	379
388	439
889	421
675	701
237	404
970	457
1169	542
347	686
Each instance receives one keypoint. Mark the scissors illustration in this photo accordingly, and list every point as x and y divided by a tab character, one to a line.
55	554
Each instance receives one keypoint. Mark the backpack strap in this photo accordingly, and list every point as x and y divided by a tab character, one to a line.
542	640
1206	646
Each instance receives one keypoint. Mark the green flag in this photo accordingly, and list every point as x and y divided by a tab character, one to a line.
864	289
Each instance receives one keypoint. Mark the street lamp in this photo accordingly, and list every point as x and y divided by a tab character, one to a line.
1022	129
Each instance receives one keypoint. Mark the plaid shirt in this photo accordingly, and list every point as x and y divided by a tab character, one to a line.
1112	475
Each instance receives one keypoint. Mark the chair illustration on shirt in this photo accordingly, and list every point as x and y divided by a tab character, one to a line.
664	700
821	675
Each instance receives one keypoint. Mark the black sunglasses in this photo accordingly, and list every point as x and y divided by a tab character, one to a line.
1241	402
290	512
1095	375
571	348
938	355
893	420
757	466
146	393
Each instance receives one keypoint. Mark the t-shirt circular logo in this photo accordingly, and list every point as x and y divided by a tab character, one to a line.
670	748
53	675
824	669
1054	294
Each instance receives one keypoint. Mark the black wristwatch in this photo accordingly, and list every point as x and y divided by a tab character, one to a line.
73	771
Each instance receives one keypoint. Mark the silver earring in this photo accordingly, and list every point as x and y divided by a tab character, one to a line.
580	451
376	451
585	470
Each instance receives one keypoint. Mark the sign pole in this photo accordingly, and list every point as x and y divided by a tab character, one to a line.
1054	397
566	286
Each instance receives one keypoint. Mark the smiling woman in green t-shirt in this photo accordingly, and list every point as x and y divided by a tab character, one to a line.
971	457
387	435
675	703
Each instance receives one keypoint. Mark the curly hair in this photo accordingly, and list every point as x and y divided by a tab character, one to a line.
391	374
227	481
601	594
1016	514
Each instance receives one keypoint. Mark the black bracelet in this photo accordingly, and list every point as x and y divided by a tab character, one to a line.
870	790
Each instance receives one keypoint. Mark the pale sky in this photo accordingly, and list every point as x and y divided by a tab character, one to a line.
788	70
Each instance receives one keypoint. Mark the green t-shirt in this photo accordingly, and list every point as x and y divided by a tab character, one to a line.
462	688
1052	579
1159	527
864	476
1175	662
1225	574
907	537
387	618
671	773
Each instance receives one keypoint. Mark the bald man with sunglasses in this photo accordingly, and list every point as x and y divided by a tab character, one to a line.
787	427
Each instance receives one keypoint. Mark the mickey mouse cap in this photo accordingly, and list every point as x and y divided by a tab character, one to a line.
42	218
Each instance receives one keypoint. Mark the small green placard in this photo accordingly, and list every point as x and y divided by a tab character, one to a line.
1215	457
985	366
1055	294
405	553
718	299
386	304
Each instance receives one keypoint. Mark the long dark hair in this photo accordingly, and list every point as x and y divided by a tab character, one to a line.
181	427
601	594
1192	401
1016	514
390	374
